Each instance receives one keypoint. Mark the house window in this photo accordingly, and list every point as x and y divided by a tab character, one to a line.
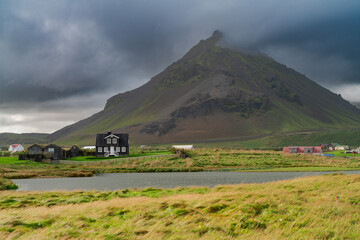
51	150
99	149
114	141
106	149
108	141
123	149
117	149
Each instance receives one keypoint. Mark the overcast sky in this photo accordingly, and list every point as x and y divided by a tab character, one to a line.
60	60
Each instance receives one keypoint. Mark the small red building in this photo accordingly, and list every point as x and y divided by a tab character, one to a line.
316	150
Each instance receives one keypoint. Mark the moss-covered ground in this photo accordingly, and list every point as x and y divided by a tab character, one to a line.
304	208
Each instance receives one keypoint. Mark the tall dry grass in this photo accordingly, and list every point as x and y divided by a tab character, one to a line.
304	208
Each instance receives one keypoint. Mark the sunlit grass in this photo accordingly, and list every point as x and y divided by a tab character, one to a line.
305	208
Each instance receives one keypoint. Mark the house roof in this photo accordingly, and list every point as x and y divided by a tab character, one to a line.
123	138
14	145
52	145
41	146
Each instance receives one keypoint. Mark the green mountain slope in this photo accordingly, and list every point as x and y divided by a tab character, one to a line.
215	92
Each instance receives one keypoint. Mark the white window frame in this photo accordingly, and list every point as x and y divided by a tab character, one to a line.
106	149
123	149
100	149
108	141
51	150
117	149
114	140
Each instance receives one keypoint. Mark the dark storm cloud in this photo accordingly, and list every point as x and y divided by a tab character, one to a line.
57	49
68	51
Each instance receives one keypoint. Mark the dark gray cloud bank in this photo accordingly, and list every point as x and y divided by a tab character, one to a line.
61	59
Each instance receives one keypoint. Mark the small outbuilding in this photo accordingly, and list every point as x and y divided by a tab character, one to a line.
35	149
54	152
35	152
74	151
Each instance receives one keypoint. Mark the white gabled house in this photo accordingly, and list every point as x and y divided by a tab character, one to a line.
16	148
111	144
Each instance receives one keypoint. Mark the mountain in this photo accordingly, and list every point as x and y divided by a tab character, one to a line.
216	92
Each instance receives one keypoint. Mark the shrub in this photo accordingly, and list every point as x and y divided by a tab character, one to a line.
180	152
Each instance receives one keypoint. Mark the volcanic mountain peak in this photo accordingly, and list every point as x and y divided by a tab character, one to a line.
204	45
216	92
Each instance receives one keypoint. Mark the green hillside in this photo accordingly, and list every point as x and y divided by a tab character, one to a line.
24	138
216	92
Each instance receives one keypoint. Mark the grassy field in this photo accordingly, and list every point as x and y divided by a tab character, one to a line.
138	154
10	160
341	153
304	208
209	159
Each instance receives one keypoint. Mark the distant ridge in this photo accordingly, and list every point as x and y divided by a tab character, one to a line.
214	92
23	138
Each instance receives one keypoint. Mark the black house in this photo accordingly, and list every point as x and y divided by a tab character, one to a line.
74	151
35	152
112	144
54	152
35	149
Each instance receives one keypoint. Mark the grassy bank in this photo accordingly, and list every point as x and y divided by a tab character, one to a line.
6	184
298	209
136	154
210	159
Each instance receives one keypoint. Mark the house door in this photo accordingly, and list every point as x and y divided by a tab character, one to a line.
112	150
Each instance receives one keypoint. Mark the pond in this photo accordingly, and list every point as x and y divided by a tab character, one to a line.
113	181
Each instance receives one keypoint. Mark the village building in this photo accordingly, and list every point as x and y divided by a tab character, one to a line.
53	152
339	147
331	147
184	147
112	144
342	148
35	149
74	151
16	148
316	150
35	152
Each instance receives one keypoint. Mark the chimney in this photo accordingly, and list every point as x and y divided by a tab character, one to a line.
109	133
